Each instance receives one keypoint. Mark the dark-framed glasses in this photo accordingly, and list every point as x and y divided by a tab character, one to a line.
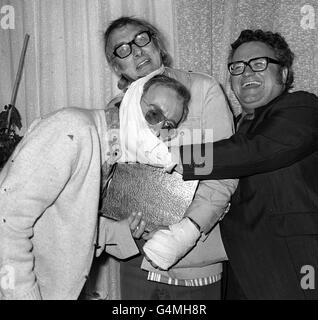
259	64
155	116
125	49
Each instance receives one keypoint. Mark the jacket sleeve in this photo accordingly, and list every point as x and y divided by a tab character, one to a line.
212	196
30	182
288	135
116	239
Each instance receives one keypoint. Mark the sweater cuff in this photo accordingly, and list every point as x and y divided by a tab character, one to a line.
116	239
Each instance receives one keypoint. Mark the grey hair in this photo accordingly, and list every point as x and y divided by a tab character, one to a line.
178	87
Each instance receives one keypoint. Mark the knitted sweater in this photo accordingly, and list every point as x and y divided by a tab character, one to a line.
49	196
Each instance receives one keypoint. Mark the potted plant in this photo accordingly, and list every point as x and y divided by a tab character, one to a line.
10	119
10	122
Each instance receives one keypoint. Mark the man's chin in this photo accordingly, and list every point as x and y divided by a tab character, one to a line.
146	69
250	103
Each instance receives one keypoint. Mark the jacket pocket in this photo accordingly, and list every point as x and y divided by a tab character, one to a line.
294	224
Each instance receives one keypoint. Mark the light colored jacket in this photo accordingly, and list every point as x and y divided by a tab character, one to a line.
208	109
49	196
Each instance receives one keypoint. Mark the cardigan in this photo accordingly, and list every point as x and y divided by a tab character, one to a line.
49	197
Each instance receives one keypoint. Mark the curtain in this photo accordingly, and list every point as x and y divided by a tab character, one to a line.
65	63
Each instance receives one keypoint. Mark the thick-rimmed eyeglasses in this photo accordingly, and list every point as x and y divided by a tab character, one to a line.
125	49
155	116
259	64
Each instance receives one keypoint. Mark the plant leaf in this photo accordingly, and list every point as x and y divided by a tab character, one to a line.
3	119
16	118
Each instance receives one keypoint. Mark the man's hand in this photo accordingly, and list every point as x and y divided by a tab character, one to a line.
167	247
148	235
136	224
179	168
115	102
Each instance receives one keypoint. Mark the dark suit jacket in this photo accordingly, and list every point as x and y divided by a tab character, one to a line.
271	230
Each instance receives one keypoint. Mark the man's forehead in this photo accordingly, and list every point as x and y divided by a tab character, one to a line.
161	91
253	49
167	99
125	33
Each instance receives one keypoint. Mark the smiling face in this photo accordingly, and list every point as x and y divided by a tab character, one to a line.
141	61
256	89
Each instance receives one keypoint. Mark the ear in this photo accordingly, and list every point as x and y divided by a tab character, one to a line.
115	67
284	75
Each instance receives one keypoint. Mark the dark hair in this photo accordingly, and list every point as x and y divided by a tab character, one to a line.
157	36
178	87
276	42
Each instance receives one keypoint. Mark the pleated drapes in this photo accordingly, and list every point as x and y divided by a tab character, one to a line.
65	64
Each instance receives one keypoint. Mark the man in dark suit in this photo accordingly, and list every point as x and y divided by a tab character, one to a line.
271	230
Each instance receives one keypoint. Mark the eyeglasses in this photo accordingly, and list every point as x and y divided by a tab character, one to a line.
155	116
125	49
256	64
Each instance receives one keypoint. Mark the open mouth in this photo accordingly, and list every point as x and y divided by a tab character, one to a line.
143	63
251	84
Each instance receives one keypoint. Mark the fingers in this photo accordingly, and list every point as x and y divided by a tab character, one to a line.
149	235
179	169
115	101
136	224
139	231
134	220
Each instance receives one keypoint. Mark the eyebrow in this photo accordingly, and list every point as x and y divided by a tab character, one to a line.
152	105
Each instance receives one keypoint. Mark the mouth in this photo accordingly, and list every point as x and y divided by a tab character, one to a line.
251	84
142	64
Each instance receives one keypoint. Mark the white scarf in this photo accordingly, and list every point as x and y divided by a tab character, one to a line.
138	142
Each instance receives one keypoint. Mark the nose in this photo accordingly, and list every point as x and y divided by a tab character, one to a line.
248	71
137	51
